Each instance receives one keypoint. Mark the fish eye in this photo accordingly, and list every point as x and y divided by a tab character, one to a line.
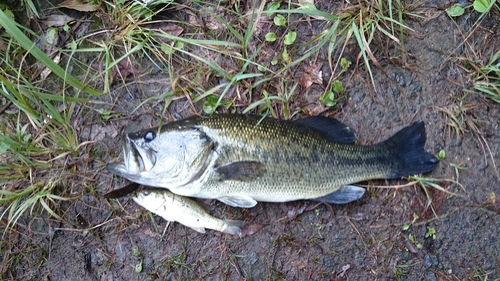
149	136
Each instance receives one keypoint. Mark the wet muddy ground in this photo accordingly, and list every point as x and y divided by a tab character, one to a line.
390	234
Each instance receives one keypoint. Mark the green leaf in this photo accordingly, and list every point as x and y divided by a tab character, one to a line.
441	154
105	114
73	45
307	6
455	11
286	56
481	6
210	104
138	267
431	232
167	49
273	6
328	99
411	238
290	37
337	87
271	37
279	20
51	34
344	63
136	252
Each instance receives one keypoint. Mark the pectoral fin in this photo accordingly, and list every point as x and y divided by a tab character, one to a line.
241	170
344	195
238	201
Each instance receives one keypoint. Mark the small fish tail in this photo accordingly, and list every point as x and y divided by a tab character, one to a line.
233	227
407	146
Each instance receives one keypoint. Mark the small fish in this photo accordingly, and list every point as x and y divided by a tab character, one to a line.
243	159
185	211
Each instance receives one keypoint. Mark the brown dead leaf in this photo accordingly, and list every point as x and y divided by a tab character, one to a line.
46	71
148	232
50	40
311	75
57	20
166	27
123	70
120	72
193	19
492	204
294	212
250	229
426	209
3	46
315	109
79	5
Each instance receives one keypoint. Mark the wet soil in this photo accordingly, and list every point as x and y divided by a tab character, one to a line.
387	235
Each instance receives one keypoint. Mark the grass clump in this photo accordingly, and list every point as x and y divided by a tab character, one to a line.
487	81
37	133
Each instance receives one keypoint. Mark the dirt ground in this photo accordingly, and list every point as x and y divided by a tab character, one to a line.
387	235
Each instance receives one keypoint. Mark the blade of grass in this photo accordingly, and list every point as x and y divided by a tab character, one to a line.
361	43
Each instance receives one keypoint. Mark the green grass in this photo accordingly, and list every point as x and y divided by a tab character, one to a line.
442	185
487	81
40	133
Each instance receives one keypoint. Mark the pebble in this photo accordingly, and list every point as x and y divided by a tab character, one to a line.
430	261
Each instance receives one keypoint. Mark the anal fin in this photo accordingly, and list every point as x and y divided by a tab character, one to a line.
238	201
344	195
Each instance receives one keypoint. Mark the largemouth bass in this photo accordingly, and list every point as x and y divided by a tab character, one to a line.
185	211
240	159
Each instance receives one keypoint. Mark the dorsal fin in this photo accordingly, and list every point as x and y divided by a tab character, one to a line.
331	128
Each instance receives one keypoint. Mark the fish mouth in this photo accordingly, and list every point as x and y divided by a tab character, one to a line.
133	160
148	199
117	168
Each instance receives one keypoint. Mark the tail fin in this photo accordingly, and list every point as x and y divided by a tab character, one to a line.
408	147
233	227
